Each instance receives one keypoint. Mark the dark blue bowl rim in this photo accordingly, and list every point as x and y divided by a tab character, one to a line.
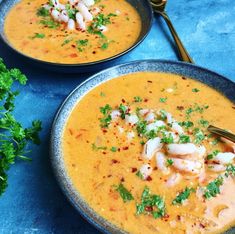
89	64
97	225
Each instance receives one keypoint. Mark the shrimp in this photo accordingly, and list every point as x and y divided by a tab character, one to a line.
173	180
64	16
84	11
150	117
216	167
229	143
224	158
161	162
189	166
151	146
177	128
55	15
88	3
115	113
155	125
71	24
146	171
181	149
131	119
81	25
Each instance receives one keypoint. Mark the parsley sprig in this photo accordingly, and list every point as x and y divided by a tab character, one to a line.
151	204
13	138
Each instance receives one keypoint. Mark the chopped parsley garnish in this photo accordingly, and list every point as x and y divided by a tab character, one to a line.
104	46
195	90
42	11
196	108
184	139
204	123
81	44
123	110
95	147
213	188
13	138
186	124
49	23
138	99
151	134
102	94
230	170
66	41
114	149
163	114
199	135
151	204
184	195
124	193
139	174
71	11
169	162
106	120
38	35
163	100
141	127
167	139
212	155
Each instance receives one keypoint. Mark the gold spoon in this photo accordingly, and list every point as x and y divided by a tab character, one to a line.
159	8
221	132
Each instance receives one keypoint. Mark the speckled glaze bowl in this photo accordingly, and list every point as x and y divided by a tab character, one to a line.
143	8
210	78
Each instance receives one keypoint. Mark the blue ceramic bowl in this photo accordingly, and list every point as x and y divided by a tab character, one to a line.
143	8
216	81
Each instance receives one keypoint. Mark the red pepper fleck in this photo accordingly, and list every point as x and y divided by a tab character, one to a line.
184	78
155	168
74	55
115	161
109	176
145	100
123	101
104	130
104	153
233	107
202	225
125	147
70	131
122	179
149	178
180	108
150	81
178	217
133	169
148	208
78	135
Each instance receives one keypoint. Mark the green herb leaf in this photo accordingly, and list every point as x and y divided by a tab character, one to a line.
95	147
169	162
50	23
163	100
42	11
199	135
195	90
230	170
204	123
138	99
184	195
66	41
212	155
38	35
114	149
124	193
13	138
184	139
151	204
213	188
186	124
167	139
139	174
123	110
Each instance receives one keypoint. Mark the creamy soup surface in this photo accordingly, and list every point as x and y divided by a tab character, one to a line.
138	151
33	31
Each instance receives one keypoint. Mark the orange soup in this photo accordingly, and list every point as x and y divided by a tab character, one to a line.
140	144
72	31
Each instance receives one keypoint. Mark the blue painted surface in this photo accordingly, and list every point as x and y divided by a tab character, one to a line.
33	202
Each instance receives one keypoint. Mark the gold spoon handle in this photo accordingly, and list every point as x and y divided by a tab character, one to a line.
182	51
221	132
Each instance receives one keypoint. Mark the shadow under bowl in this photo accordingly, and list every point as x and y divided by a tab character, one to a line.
142	7
212	79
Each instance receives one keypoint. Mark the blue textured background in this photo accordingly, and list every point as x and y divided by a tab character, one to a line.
33	202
